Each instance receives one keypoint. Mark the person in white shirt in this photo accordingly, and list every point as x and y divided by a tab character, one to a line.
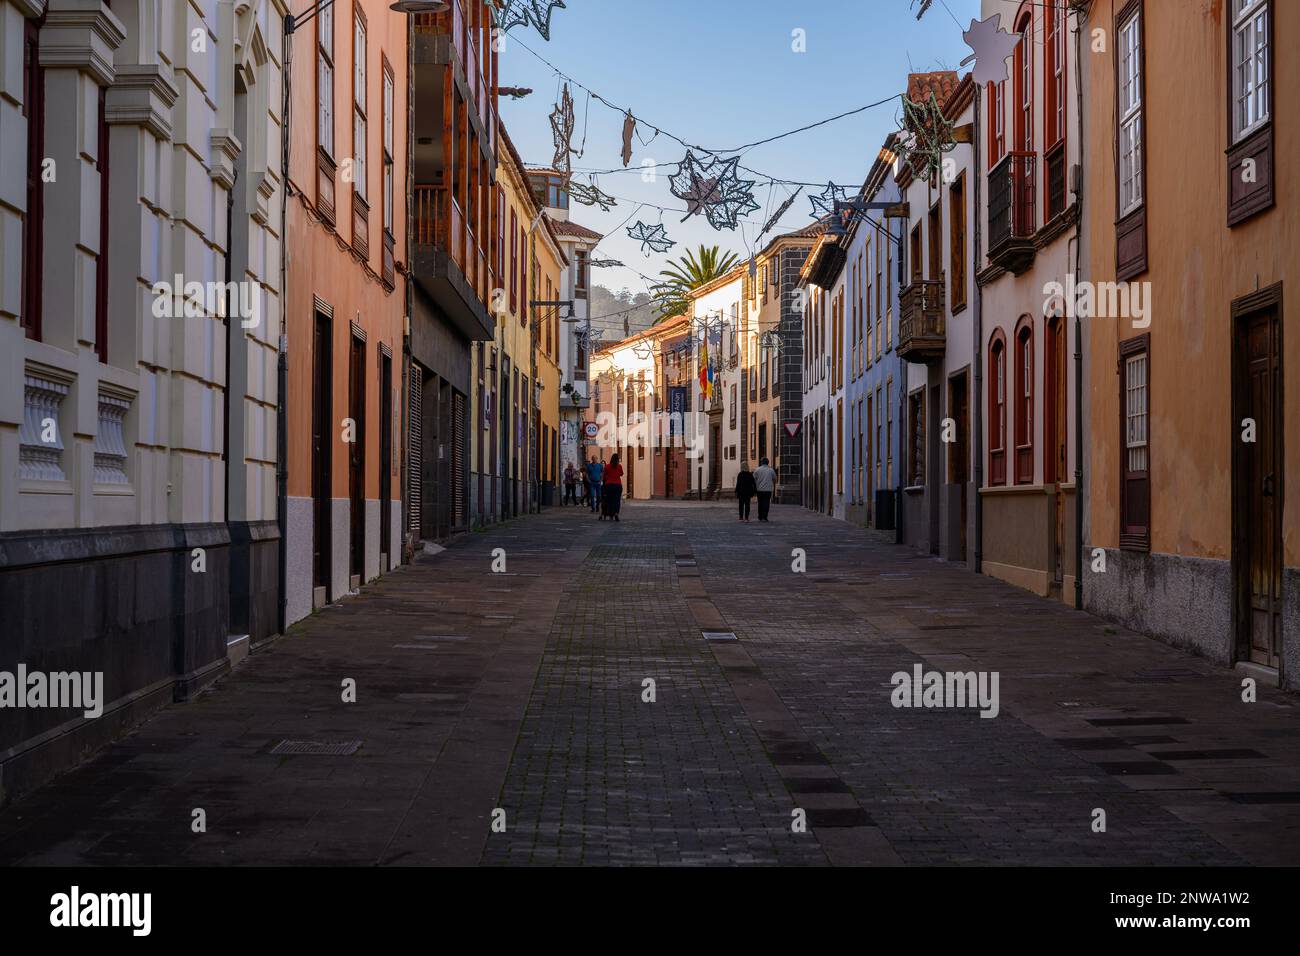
765	482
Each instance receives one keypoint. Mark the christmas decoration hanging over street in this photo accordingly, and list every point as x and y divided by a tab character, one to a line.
562	134
776	216
589	194
604	263
714	189
651	237
823	205
992	46
629	128
523	12
926	136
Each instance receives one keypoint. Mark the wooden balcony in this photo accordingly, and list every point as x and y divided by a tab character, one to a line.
922	333
450	264
1012	213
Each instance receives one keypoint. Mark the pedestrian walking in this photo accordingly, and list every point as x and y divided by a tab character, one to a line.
745	489
612	489
765	485
570	484
594	471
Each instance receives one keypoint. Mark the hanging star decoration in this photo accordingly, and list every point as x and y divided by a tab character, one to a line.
776	216
562	134
589	338
645	349
589	194
714	189
926	136
992	46
651	237
523	12
629	128
823	205
770	341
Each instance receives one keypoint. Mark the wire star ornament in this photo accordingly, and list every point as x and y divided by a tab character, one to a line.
645	349
517	13
651	237
770	341
992	46
714	189
823	205
589	194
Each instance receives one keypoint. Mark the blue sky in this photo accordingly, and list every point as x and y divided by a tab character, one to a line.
722	73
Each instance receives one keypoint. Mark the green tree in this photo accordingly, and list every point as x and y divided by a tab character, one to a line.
689	272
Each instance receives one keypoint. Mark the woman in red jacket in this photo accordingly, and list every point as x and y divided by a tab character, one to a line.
612	488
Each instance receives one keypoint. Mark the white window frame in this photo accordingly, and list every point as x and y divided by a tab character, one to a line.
359	122
1131	187
1136	419
388	150
325	81
1251	92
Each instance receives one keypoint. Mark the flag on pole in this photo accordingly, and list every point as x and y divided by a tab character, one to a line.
705	371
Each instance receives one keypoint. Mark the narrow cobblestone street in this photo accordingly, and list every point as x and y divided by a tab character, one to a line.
524	691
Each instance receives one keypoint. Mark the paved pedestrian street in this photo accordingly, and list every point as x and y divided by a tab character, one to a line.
508	718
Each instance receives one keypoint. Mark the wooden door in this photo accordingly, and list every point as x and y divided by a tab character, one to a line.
1257	488
386	457
959	449
357	454
1054	432
322	448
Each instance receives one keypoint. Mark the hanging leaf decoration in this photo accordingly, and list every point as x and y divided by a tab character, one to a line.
651	237
781	211
926	136
562	122
713	188
629	128
604	263
589	194
992	46
517	13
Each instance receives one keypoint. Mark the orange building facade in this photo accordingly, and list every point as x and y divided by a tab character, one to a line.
1193	501
346	228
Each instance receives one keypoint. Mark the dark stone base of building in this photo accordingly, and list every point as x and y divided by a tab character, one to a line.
254	579
148	607
1186	602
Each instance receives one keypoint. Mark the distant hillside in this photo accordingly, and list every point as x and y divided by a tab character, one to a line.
621	313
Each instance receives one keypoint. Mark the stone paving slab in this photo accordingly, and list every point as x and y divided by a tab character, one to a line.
523	693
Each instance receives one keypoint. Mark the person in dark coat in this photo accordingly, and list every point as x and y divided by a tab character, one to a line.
745	490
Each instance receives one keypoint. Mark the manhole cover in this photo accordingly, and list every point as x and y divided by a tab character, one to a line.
316	748
719	635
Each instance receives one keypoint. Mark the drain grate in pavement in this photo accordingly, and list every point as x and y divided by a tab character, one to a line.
316	748
686	562
1092	743
718	635
1138	768
1134	721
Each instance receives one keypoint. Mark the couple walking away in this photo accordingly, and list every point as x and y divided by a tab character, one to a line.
760	482
611	489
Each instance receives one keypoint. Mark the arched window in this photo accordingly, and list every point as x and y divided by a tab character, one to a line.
1024	402
997	437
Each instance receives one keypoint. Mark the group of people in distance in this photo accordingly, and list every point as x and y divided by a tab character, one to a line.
603	484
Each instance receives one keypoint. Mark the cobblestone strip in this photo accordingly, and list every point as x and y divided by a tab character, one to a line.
600	775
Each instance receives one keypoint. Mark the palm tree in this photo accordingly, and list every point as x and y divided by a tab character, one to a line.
689	272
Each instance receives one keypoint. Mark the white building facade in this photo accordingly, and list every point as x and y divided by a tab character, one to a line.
140	269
